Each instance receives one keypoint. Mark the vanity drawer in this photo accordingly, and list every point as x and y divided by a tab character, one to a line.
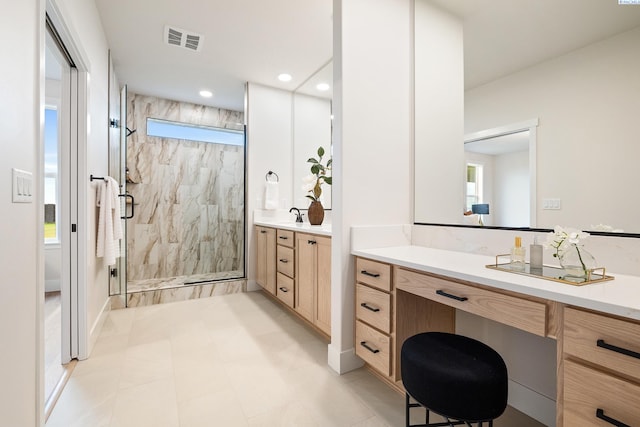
589	393
373	347
521	313
609	342
285	238
284	289
373	307
285	260
373	273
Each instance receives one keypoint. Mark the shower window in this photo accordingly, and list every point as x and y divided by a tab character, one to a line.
177	130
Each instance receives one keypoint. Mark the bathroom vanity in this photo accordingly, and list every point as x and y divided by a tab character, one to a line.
401	291
293	265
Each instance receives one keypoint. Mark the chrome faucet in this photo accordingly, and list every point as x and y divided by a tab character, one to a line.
298	214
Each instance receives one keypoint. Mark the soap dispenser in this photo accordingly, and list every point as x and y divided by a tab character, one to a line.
518	253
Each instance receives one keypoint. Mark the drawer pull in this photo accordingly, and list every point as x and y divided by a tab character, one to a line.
366	273
283	289
263	231
284	261
283	237
372	350
368	307
600	414
455	297
311	242
626	352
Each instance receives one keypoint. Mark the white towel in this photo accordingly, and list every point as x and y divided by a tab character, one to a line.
109	227
271	195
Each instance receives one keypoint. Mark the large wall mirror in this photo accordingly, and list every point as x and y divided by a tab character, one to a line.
311	129
572	66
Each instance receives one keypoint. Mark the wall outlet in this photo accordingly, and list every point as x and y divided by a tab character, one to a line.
22	184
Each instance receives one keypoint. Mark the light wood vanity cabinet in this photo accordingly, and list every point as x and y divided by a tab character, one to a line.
295	267
601	372
266	258
285	261
374	314
313	279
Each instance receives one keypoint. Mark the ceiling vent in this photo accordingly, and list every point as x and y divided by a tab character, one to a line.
187	39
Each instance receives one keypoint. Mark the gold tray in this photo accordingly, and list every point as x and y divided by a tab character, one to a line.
556	274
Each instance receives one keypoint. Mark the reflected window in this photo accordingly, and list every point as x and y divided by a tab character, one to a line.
474	185
51	181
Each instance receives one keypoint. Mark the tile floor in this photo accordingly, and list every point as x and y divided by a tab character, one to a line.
233	360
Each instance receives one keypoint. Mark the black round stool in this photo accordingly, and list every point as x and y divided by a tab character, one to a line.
459	378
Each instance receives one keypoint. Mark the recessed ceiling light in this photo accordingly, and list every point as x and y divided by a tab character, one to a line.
322	87
206	93
284	77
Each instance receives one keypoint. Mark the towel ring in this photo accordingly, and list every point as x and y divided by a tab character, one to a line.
266	177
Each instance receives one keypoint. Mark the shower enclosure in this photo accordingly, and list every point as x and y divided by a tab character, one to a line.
185	171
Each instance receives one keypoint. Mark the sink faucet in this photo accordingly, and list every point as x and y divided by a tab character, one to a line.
298	214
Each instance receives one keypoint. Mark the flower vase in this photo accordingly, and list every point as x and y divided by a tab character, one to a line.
576	262
315	213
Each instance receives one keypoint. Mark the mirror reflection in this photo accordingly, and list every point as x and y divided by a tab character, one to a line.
572	65
311	129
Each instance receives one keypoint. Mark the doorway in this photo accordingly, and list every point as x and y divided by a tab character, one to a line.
60	213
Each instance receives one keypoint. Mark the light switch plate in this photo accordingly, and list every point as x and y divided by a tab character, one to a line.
551	204
22	185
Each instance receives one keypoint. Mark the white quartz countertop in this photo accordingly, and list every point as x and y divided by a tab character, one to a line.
305	227
620	296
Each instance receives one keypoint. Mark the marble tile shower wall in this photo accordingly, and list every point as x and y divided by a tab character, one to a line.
189	213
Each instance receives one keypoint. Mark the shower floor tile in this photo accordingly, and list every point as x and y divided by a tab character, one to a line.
231	360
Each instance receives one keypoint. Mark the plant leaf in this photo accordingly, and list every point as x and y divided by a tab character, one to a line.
312	160
329	162
327	179
320	151
315	169
311	197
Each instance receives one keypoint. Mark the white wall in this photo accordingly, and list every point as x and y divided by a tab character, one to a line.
311	129
511	190
587	102
269	148
372	142
20	228
52	267
439	121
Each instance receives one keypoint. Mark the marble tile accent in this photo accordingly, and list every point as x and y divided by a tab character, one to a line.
189	213
183	293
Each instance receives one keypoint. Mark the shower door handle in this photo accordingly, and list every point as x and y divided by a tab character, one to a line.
133	202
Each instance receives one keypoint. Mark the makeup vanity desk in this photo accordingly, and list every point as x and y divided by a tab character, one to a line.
404	290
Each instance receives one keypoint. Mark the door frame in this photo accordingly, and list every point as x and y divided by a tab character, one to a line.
75	253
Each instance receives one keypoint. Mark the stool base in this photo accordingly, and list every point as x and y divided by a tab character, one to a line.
448	423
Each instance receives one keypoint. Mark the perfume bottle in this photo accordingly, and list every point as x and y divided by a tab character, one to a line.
535	255
518	253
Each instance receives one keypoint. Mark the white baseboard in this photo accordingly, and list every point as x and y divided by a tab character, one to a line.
343	362
96	328
532	403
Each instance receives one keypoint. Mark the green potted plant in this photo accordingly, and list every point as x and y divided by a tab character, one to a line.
320	174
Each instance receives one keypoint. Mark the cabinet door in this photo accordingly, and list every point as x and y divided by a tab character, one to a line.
323	284
266	259
305	274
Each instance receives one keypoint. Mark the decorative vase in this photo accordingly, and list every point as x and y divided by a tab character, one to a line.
576	262
315	213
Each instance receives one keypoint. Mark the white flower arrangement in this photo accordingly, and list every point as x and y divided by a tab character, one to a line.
562	238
